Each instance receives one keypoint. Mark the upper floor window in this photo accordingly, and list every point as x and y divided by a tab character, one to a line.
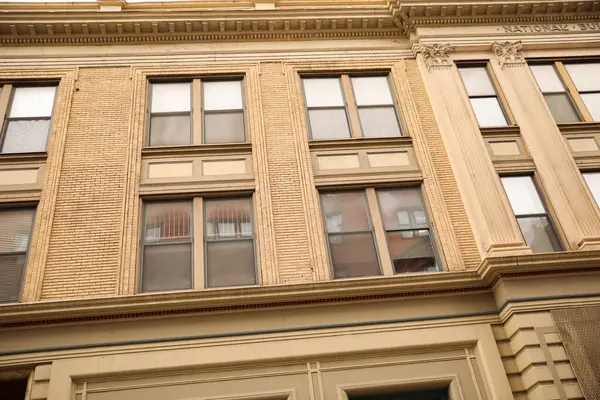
571	90
351	106
197	243
593	181
196	111
14	244
483	96
531	214
356	245
27	113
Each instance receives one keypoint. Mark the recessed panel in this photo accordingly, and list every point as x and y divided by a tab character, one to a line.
170	170
346	161
18	176
395	159
583	144
505	148
228	167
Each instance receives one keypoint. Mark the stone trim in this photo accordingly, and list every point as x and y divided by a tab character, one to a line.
509	53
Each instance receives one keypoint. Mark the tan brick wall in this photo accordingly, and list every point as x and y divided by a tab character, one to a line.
83	254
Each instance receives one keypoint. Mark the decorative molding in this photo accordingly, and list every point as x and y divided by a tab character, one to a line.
436	55
509	53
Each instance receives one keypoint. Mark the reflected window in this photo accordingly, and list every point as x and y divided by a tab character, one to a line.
483	96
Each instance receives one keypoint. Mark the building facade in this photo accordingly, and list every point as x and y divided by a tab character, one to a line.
300	199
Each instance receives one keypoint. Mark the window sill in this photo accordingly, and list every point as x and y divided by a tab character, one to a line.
198	150
500	130
357	143
579	127
8	158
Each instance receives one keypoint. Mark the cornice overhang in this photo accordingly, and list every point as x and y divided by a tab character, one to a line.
490	273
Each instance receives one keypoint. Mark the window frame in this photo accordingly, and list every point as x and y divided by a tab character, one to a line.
587	185
197	126
575	94
27	252
351	108
198	246
6	100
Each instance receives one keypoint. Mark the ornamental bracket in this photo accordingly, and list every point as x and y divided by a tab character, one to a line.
436	55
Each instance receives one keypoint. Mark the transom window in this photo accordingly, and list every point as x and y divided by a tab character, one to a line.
346	106
173	260
531	214
15	234
356	246
196	111
483	96
27	113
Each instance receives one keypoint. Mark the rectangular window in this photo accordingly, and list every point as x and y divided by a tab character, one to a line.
593	181
331	111
407	230
557	97
587	82
483	96
217	118
168	244
531	214
14	244
26	118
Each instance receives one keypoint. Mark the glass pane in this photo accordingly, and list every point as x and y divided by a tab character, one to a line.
167	267
522	195
170	130
539	234
477	81
379	122
230	263
411	251
228	218
223	95
372	91
329	124
168	221
593	181
11	273
488	112
351	208
171	97
28	136
592	103
561	107
585	76
224	128
547	78
353	255
32	102
323	92
15	229
401	209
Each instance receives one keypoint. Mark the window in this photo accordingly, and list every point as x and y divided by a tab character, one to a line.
168	245
533	219
407	230
14	244
593	181
26	118
351	235
420	395
483	96
572	90
330	117
218	118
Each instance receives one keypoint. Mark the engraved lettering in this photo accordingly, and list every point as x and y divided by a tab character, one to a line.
582	27
508	28
537	28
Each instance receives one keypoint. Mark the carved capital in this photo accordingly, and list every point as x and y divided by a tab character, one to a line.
436	55
508	53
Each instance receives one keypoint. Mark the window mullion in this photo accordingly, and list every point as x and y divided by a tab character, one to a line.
198	243
351	107
380	237
500	96
572	89
197	111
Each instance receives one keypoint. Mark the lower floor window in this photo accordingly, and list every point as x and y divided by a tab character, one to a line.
197	243
441	394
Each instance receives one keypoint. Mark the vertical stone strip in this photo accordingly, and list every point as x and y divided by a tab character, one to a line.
91	189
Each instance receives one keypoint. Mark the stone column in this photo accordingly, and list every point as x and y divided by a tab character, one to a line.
495	228
562	182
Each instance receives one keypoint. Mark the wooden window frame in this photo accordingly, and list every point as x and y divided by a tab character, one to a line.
198	241
574	94
196	112
6	99
378	230
350	106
